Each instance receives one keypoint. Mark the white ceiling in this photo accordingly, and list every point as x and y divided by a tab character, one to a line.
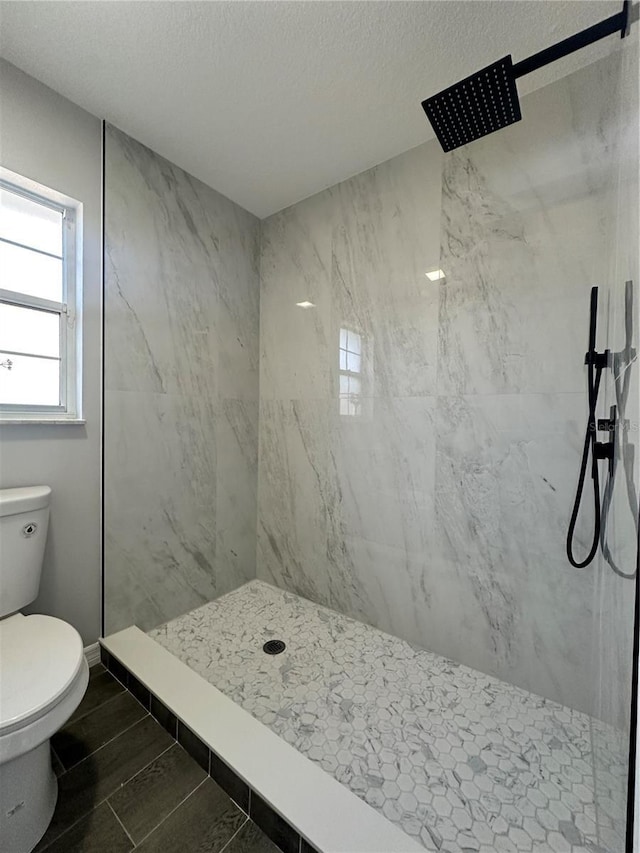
270	102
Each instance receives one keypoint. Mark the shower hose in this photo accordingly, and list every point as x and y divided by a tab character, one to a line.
595	364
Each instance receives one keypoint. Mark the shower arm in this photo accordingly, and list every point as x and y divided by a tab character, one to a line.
618	23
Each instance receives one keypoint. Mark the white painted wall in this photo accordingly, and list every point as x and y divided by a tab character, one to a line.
50	140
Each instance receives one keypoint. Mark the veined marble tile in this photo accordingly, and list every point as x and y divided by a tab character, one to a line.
236	234
299	544
181	395
161	314
297	357
328	481
236	490
385	468
448	523
385	224
505	474
180	504
160	507
474	565
359	252
410	593
183	298
523	240
459	760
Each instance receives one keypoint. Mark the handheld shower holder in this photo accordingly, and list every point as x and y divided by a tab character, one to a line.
599	360
596	363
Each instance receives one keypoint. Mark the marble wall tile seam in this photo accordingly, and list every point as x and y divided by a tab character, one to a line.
147	392
186	394
439	396
514	394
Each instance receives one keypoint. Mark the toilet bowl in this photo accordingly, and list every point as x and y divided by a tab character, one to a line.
43	674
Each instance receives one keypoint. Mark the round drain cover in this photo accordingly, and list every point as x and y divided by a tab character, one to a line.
274	647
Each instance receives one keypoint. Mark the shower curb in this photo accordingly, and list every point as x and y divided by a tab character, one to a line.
296	804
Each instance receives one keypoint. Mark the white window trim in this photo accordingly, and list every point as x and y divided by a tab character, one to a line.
70	309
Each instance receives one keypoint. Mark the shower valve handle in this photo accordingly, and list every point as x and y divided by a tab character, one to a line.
606	449
603	450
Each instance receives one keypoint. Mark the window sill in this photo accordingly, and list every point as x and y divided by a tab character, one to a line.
39	421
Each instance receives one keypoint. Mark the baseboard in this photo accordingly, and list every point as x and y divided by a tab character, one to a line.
92	653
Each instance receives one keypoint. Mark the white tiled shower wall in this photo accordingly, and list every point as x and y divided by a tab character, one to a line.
439	511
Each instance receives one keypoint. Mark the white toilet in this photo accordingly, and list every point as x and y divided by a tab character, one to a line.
43	673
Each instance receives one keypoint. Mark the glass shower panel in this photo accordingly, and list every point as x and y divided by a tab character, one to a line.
432	503
615	567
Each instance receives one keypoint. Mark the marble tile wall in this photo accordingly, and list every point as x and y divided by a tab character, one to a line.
181	389
438	511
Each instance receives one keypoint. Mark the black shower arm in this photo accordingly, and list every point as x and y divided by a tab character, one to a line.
615	24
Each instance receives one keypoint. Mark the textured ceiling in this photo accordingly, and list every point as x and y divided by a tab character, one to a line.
270	102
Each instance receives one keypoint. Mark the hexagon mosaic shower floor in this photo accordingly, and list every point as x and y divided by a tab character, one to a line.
459	760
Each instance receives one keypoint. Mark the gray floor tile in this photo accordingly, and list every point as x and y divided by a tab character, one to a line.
138	690
150	796
251	839
163	715
56	764
80	738
275	826
102	686
98	832
118	670
196	748
229	782
207	820
101	774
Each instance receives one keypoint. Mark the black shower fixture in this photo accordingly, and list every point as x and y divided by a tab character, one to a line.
488	100
596	362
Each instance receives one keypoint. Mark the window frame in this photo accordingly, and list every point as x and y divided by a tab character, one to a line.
69	310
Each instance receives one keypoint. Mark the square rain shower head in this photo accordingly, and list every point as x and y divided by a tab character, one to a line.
480	104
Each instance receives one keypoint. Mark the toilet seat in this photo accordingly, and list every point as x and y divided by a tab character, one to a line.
41	658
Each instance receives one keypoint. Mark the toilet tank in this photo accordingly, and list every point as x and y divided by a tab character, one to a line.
24	518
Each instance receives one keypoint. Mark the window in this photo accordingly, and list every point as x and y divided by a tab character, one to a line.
38	302
350	372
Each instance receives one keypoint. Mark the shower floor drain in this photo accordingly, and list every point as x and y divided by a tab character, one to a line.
274	647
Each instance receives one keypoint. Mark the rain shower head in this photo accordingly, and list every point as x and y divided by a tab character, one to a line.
488	100
480	104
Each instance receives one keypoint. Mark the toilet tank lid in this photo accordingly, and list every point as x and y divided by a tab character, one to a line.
23	499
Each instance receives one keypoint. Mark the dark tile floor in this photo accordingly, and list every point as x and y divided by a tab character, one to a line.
125	784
